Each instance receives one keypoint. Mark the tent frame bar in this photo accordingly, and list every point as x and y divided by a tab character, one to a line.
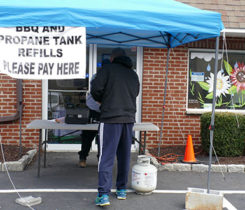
213	112
164	102
130	40
165	36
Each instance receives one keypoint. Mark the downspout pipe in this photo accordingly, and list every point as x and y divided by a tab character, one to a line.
19	105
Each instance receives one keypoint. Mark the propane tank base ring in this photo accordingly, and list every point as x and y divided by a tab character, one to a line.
143	193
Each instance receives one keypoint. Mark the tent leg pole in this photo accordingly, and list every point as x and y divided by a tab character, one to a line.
20	130
164	101
213	111
20	101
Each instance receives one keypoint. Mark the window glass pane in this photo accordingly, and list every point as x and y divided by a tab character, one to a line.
104	54
63	94
230	88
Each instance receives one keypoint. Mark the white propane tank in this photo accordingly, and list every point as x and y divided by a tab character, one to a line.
144	175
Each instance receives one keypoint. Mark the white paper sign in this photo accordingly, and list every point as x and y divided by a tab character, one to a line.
43	52
197	76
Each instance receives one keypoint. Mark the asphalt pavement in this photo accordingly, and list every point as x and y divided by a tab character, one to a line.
64	186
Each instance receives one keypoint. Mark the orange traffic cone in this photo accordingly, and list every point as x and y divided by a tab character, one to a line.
189	152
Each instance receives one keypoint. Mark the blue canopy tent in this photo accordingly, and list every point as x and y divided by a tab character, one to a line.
155	23
147	23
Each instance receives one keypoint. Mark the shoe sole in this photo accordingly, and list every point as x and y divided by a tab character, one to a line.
104	204
121	198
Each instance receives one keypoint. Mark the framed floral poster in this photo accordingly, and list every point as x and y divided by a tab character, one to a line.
230	88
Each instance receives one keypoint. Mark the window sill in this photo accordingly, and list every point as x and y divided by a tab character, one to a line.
201	111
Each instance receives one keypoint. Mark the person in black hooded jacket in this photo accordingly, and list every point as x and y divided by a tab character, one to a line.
115	88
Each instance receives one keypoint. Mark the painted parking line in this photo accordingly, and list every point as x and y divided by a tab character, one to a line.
113	190
228	205
87	190
49	190
232	191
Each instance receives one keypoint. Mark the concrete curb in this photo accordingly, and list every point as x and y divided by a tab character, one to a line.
231	168
19	165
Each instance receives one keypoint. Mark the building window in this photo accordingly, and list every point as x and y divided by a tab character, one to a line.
230	89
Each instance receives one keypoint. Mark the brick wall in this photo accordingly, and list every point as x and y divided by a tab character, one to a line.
32	101
177	125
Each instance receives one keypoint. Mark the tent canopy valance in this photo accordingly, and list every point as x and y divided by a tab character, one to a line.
152	23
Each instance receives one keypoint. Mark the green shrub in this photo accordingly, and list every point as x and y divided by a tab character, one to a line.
229	134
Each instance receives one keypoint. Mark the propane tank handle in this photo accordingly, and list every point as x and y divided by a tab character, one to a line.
143	160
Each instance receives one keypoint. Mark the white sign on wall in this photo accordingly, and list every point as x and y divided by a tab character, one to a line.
197	76
43	52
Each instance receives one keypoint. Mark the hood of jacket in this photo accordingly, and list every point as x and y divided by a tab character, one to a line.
124	60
